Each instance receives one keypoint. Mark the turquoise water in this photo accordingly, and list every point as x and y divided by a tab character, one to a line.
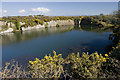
27	45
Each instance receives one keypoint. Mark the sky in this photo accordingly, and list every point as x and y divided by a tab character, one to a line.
60	0
58	8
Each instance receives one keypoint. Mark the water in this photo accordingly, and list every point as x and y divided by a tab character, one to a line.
28	45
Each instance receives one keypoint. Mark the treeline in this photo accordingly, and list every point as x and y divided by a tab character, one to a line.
100	21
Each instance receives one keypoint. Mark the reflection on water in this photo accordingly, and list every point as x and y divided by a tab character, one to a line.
27	35
64	39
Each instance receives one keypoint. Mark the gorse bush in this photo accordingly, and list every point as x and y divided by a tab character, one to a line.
49	67
13	70
75	66
85	66
111	68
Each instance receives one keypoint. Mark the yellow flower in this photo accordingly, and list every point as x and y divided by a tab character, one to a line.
106	55
46	57
30	62
107	58
87	70
37	59
53	56
52	62
50	58
109	52
104	59
97	56
59	54
101	56
116	46
54	53
34	62
96	53
41	65
49	55
42	59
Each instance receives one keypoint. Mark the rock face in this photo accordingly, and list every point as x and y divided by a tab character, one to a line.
2	23
10	24
34	27
6	31
61	23
49	24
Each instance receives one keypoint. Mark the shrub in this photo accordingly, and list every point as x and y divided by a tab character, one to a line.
18	25
12	70
45	20
86	66
75	66
57	18
111	69
49	67
46	25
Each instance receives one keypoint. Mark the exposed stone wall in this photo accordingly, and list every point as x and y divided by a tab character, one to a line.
2	23
61	23
50	24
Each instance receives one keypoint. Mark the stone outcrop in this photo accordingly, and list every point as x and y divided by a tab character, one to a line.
10	24
49	24
2	23
7	31
61	23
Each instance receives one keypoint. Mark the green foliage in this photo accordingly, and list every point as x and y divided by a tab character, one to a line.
85	66
49	67
57	18
13	70
75	66
46	25
111	68
18	25
45	20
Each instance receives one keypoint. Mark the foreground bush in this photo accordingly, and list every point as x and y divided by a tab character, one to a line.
13	70
49	67
75	66
85	66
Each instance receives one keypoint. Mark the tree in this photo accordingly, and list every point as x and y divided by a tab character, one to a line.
18	25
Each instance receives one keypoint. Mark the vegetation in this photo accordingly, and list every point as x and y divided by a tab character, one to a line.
75	66
100	21
115	37
33	20
18	25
